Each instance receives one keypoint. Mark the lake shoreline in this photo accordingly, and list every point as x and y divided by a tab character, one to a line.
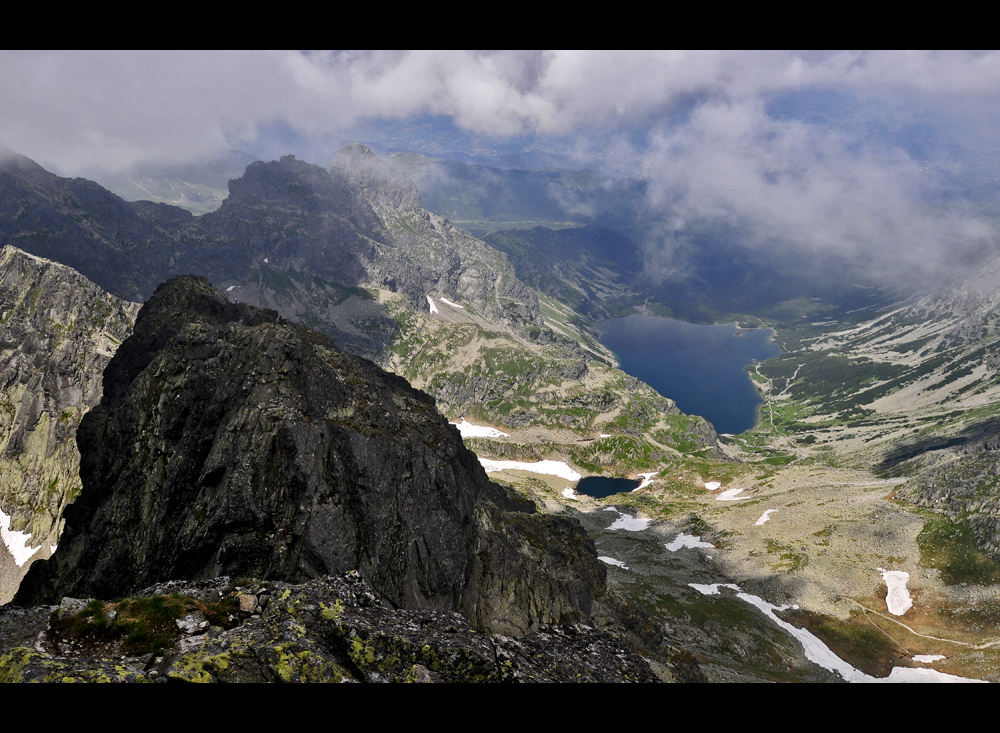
703	368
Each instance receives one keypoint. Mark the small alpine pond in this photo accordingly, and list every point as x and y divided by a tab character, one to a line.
600	487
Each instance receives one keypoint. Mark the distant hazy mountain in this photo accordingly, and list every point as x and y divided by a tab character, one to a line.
547	219
198	187
485	198
440	137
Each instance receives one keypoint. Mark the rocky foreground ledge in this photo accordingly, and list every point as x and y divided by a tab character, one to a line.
331	629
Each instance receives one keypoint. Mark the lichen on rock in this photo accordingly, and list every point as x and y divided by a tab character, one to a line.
297	639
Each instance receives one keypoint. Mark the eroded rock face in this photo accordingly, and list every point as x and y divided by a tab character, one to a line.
231	442
960	481
57	333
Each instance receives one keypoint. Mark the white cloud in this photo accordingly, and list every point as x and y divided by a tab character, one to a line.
718	147
786	183
121	106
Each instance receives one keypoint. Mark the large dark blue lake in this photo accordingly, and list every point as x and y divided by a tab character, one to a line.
702	368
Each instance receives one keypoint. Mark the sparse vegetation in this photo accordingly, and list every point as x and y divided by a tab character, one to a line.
951	548
856	640
135	626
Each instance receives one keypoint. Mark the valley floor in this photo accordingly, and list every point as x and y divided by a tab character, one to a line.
804	513
828	534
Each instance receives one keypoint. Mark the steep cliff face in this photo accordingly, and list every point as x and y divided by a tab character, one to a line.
229	441
57	333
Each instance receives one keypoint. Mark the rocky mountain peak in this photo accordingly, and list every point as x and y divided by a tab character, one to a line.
232	442
290	185
378	182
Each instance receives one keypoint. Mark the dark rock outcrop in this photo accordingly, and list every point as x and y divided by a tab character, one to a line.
231	442
957	476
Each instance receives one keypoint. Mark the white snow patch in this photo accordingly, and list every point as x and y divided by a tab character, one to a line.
764	517
16	542
688	540
628	522
550	468
468	430
612	561
231	288
430	302
265	260
731	495
818	652
570	494
927	658
911	674
898	598
712	485
604	435
647	479
713	589
453	305
52	548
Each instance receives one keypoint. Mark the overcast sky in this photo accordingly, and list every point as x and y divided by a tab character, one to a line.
115	108
839	149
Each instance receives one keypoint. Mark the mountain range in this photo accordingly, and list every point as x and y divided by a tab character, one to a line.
247	429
